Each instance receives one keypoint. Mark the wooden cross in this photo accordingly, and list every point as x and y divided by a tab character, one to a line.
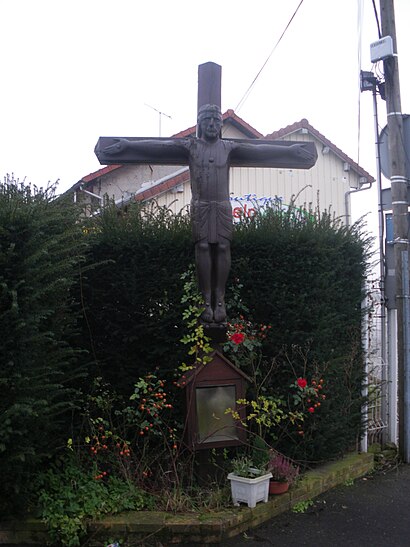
209	157
209	92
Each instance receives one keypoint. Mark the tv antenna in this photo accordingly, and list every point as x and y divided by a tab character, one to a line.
160	116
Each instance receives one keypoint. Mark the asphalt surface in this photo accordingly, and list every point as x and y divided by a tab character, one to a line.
372	512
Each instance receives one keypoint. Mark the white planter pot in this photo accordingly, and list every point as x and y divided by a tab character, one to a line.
249	491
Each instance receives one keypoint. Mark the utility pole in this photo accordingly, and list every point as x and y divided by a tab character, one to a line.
400	224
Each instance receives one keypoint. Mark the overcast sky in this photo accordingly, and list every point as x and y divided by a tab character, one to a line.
75	70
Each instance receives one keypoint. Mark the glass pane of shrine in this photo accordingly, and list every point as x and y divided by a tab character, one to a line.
213	424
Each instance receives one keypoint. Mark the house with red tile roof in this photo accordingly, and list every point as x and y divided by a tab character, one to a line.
327	186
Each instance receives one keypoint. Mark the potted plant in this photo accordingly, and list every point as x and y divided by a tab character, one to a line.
249	484
284	472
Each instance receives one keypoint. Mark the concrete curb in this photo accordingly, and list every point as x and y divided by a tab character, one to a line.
201	528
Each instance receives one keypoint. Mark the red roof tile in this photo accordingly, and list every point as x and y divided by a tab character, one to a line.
181	178
100	173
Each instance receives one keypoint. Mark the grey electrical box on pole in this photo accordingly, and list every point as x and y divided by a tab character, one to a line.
382	49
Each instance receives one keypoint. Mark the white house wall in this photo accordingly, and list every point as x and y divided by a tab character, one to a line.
124	182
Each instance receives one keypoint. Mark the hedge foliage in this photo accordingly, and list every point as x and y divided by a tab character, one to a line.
132	299
101	297
41	247
301	274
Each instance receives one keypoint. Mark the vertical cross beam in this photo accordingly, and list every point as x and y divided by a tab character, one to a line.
209	84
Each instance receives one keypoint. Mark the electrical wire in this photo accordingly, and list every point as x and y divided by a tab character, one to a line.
377	18
377	68
247	92
359	64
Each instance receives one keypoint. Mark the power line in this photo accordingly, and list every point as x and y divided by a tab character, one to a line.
246	94
377	18
359	62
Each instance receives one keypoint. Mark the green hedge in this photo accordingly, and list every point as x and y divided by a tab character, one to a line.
303	275
41	246
133	297
102	297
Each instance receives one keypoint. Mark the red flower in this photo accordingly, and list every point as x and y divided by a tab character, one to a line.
237	337
311	409
302	383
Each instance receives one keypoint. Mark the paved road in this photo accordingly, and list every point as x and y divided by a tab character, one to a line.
373	512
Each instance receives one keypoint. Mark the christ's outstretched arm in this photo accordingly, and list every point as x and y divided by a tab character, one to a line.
302	155
160	151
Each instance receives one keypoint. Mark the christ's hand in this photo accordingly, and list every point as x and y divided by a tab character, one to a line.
302	152
116	148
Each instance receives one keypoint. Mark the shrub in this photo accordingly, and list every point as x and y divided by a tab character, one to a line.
71	494
133	299
40	250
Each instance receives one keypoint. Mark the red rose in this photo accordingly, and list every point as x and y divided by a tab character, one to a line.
237	337
311	409
302	383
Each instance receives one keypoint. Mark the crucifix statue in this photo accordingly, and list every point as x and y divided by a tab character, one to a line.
209	157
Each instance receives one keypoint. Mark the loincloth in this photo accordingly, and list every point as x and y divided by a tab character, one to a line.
211	220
